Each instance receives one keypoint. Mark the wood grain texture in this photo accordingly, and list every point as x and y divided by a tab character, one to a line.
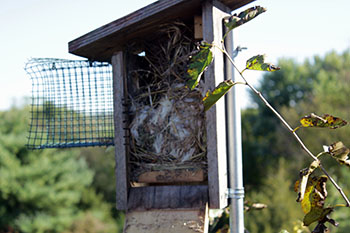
213	12
169	221
198	27
121	171
168	197
172	176
100	43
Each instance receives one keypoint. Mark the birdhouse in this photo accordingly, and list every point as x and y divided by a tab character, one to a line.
170	153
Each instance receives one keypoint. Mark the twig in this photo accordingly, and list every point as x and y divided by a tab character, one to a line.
285	123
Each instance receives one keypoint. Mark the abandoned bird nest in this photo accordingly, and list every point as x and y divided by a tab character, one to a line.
167	120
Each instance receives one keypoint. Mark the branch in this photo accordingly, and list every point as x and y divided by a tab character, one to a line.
285	123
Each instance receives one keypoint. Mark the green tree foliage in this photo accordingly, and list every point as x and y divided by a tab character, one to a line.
102	161
319	85
277	193
48	190
283	89
330	90
341	215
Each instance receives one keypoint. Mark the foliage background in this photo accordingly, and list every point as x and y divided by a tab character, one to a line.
72	190
272	158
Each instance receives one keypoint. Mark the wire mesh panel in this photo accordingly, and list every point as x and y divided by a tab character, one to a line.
72	104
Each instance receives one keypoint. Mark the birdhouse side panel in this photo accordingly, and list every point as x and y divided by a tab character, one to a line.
121	154
213	13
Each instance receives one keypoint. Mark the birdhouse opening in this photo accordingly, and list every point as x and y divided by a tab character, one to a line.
166	120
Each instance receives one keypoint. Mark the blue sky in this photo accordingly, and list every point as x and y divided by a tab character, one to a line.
41	28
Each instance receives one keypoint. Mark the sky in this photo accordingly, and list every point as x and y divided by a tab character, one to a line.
296	29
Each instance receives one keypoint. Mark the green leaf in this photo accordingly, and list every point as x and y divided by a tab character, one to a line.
316	214
197	65
212	97
257	63
235	20
326	121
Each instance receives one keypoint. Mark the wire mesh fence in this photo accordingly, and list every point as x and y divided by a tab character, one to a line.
72	104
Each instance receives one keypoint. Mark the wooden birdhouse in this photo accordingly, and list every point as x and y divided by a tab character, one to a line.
170	154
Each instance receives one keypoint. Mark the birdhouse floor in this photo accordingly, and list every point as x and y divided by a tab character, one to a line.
169	221
181	175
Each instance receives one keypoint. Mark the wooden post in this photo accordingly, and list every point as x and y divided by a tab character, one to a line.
170	209
167	221
119	92
212	14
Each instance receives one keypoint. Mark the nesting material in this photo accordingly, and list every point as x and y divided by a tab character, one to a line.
167	127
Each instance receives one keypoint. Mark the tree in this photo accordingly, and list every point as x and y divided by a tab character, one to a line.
44	191
317	85
261	129
326	92
277	193
329	91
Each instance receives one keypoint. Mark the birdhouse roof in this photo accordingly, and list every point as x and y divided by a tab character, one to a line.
101	43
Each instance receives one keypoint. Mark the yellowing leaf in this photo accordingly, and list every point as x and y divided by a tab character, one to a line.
296	186
243	17
212	97
304	183
197	65
306	203
313	202
320	192
339	152
326	121
257	63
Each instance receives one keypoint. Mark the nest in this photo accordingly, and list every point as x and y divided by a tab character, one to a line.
167	127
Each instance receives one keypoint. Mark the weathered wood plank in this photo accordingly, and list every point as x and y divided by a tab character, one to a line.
198	27
100	43
119	91
170	221
213	12
168	197
172	176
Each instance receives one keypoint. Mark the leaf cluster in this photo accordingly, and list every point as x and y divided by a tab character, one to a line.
204	57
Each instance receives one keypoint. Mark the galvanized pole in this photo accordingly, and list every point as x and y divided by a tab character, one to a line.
234	148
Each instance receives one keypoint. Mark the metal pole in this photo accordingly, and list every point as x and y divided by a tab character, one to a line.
234	148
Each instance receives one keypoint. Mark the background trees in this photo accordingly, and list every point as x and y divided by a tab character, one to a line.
74	190
49	190
319	85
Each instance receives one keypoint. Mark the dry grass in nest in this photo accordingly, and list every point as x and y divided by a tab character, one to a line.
167	129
